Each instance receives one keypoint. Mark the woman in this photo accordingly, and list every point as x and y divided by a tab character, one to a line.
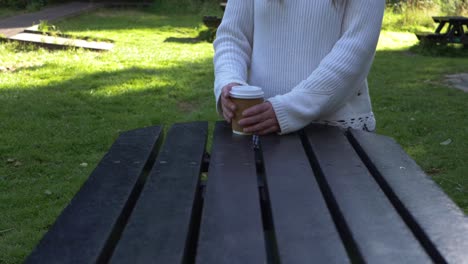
311	57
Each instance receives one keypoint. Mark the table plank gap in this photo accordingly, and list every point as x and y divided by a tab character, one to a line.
340	223
382	238
300	220
402	210
231	228
90	226
271	244
164	225
417	198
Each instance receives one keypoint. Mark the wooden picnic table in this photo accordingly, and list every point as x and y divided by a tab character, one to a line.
223	5
456	30
213	22
323	195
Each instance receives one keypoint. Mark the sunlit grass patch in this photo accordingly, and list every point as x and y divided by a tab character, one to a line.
390	40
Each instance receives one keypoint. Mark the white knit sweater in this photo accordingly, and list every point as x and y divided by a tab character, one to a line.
310	57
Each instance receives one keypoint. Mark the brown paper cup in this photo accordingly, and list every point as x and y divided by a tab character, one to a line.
244	97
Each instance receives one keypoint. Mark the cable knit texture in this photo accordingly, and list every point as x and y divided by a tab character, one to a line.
311	57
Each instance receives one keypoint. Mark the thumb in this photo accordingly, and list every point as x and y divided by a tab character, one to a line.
226	90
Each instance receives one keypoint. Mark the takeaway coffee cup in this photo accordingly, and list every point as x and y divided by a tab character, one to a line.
244	97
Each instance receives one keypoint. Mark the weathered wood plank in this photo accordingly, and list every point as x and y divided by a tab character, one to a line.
380	235
89	227
440	225
159	230
231	228
57	42
303	226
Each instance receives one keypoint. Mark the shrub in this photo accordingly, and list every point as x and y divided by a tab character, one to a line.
403	17
193	6
447	7
30	5
20	4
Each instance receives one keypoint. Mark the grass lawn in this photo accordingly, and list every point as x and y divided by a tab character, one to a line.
413	105
60	111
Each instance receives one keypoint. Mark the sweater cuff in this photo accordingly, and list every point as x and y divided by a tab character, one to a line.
281	114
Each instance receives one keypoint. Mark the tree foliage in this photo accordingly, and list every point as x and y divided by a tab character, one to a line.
449	7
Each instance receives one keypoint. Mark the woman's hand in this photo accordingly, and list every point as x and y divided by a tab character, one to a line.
260	119
227	105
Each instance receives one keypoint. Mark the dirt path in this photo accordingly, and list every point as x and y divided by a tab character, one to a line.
459	81
13	25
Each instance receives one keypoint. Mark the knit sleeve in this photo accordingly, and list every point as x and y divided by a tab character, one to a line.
339	74
233	45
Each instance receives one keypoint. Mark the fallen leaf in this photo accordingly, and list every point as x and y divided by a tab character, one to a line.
446	142
433	171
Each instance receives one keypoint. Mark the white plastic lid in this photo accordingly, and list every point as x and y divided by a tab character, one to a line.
246	92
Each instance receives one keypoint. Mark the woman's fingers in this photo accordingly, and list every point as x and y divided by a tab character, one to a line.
227	105
227	113
228	109
269	125
260	119
272	129
226	99
256	119
256	109
254	115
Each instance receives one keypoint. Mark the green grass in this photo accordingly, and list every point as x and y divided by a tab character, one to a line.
60	109
413	105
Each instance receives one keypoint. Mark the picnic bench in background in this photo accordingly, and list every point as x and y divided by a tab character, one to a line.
223	4
321	195
456	31
213	22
